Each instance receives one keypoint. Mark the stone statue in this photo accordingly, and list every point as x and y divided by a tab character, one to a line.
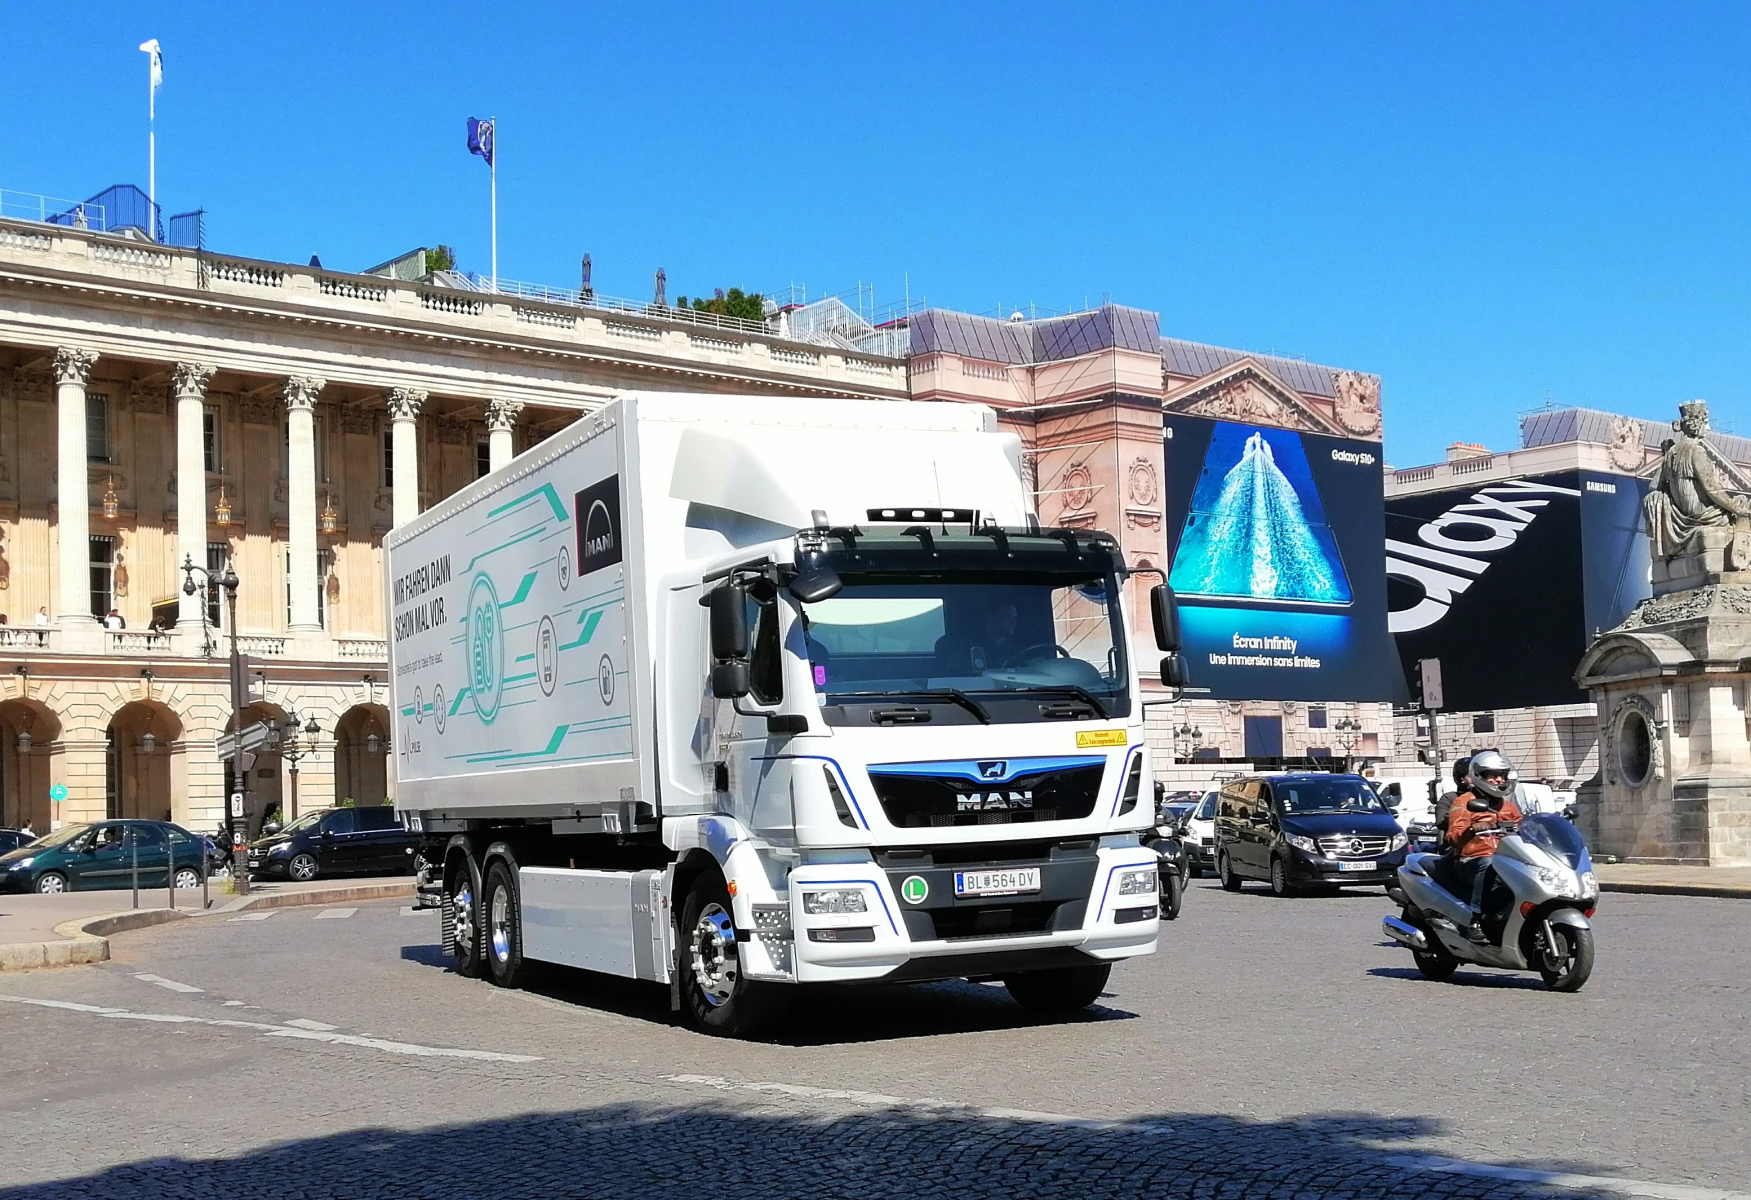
587	292
662	299
1696	489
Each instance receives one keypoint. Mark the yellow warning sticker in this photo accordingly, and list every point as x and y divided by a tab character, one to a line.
1100	737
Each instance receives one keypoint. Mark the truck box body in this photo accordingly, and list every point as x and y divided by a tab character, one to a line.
552	667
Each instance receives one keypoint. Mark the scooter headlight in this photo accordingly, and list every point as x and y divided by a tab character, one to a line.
1560	883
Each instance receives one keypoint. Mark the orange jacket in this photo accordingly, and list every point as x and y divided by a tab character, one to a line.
1470	831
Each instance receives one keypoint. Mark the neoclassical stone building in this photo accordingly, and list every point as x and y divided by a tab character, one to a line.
161	405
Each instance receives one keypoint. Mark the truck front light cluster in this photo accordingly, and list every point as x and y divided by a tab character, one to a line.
1137	883
840	900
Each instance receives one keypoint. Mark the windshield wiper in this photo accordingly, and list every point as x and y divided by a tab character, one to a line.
951	695
1073	689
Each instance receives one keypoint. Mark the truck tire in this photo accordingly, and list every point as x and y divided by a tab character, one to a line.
717	998
465	919
502	931
1059	990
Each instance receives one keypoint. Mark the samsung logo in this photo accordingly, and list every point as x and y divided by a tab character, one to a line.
1610	489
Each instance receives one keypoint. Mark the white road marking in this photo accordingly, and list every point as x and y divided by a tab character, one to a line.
235	1004
307	1023
926	1104
172	984
283	1031
410	911
254	916
335	914
1595	1183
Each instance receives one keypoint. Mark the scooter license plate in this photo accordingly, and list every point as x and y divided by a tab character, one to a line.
1357	866
997	883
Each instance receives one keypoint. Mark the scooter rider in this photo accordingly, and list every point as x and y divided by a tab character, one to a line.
1473	835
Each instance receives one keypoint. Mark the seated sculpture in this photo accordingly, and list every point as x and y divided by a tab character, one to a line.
1695	489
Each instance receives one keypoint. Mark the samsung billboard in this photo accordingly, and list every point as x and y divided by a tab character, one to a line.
1275	545
1508	582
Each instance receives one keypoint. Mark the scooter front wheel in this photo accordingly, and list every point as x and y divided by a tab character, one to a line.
1566	965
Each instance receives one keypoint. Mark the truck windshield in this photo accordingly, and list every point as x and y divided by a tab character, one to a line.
989	638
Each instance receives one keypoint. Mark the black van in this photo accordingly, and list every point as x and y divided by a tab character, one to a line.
1301	831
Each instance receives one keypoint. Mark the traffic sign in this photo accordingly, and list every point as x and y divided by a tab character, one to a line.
250	737
58	792
237	804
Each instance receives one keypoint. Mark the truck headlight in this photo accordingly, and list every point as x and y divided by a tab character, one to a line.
1137	883
839	900
1301	842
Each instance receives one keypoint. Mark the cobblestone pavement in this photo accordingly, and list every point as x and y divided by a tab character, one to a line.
1274	1048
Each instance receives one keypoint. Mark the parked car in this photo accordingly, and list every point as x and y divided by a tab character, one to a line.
336	841
1200	835
104	854
1300	831
12	839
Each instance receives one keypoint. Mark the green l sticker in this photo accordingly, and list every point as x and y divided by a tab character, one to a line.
915	889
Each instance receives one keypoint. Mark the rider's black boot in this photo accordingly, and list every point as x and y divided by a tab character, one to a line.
1474	932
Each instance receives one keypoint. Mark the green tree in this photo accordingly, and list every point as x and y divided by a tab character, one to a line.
749	306
440	258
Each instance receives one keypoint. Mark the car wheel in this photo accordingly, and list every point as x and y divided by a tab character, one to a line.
1280	885
302	868
51	883
1225	874
716	997
186	878
1060	990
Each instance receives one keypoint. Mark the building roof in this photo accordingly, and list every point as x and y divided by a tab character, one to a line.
1197	359
1047	339
1551	427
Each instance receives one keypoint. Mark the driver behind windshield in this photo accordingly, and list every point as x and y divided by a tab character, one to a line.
991	643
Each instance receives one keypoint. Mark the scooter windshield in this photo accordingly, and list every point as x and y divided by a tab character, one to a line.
1550	832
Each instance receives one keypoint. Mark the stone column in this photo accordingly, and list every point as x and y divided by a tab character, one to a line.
404	411
301	392
501	420
189	386
73	495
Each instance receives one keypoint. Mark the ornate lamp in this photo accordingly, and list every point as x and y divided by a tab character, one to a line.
222	510
330	518
112	503
24	741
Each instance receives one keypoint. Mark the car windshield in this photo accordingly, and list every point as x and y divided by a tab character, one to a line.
307	821
1206	808
60	837
1334	795
1557	835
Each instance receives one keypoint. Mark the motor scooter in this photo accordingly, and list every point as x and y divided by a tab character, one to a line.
1536	909
1170	854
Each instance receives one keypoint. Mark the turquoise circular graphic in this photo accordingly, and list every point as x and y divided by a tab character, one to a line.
486	649
58	792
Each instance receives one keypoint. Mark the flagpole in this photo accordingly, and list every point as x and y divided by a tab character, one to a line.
495	205
151	144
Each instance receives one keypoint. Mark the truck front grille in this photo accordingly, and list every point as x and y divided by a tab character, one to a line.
923	800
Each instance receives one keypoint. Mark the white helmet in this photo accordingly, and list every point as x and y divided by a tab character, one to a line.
1486	763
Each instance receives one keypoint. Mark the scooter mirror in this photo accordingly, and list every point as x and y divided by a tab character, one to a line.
1477	804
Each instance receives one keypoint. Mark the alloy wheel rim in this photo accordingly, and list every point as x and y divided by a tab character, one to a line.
715	968
499	925
462	900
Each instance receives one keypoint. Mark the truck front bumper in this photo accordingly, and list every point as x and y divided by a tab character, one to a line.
923	931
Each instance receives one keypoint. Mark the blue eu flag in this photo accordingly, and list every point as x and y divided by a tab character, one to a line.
480	138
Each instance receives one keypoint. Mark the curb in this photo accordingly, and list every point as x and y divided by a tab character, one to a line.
86	939
1720	891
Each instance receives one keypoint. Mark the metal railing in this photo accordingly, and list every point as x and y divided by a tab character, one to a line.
28	206
575	298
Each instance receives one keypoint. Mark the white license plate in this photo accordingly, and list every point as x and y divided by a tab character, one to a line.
997	883
1356	866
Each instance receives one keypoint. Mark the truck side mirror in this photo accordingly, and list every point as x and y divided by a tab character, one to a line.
728	604
816	584
1164	610
729	680
1173	671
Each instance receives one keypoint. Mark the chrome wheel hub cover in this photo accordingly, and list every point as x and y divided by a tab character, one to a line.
462	902
714	955
499	925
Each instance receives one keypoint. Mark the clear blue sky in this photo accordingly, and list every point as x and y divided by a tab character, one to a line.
1491	205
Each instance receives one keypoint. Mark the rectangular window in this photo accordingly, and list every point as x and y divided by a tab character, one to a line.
103	550
210	437
1483	722
482	457
324	564
388	458
218	553
1315	716
97	427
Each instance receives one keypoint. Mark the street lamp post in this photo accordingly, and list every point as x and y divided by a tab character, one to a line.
233	815
1349	732
1186	740
292	750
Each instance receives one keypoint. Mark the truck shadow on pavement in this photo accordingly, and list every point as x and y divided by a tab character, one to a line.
694	1149
822	1016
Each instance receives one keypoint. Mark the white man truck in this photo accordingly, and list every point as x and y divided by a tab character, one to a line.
744	694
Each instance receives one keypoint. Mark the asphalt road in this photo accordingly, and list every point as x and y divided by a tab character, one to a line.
1272	1048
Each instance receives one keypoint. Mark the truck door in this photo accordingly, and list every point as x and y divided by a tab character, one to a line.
760	788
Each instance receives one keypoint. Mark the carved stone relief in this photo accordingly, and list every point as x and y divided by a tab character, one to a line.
259	409
1076	485
1633	719
1358	402
358	419
454	431
1625	447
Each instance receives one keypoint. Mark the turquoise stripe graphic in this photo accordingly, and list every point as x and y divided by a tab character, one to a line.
544	492
523	537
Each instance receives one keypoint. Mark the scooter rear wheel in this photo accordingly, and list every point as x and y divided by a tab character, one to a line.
1435	963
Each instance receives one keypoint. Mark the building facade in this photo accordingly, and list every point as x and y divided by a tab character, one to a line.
1091	395
162	406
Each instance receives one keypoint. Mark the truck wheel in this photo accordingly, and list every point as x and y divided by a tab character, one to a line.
1060	990
717	998
503	933
465	919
